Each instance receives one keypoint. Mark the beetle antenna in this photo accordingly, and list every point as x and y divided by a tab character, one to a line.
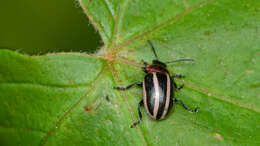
150	43
179	60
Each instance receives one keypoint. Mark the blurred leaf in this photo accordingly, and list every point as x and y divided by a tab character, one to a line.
38	27
59	99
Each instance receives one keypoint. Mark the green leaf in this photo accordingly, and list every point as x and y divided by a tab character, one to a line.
59	99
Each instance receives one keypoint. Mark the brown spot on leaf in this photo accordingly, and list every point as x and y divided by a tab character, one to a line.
87	108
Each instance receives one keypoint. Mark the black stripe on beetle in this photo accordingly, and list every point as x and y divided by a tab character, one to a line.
158	89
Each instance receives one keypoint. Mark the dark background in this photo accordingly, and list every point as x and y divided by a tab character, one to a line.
38	27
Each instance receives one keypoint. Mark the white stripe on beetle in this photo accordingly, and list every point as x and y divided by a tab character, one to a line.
145	99
168	94
156	96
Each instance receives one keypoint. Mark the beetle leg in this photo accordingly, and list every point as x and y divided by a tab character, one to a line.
178	88
175	85
185	106
145	66
129	86
141	103
177	76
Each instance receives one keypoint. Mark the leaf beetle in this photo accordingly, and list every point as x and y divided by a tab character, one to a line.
158	89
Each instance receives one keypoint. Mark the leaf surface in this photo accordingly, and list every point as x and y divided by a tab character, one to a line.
60	99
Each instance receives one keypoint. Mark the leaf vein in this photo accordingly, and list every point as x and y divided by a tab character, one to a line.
117	23
24	129
120	46
115	76
221	97
46	85
73	106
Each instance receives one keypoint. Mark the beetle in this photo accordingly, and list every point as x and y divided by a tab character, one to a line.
158	89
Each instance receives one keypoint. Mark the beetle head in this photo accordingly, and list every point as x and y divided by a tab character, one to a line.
156	66
159	63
